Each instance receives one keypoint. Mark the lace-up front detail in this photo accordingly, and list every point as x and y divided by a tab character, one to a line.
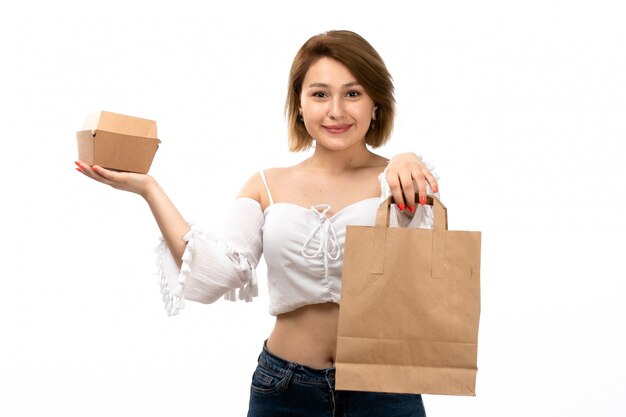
324	237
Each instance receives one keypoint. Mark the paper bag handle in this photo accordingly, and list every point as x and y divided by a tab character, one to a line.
440	224
440	212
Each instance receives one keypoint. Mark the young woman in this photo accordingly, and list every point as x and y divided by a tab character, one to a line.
341	99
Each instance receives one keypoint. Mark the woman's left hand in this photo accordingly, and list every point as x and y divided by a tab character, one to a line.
408	175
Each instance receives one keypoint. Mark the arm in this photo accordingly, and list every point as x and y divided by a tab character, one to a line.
215	265
194	265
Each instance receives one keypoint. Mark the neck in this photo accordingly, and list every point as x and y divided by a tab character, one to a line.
336	162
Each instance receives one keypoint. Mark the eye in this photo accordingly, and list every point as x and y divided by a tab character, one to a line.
353	94
319	94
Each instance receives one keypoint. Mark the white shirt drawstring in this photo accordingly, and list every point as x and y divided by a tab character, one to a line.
328	244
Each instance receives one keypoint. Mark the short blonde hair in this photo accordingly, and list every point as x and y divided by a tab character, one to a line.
367	67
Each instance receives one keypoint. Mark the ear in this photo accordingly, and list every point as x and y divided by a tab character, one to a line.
374	112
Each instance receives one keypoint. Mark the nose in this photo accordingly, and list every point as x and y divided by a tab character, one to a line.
335	108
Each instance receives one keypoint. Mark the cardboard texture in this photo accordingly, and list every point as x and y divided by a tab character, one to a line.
410	307
116	141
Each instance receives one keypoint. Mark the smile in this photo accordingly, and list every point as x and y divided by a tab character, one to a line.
337	129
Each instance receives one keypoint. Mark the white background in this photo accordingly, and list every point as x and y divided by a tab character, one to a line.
520	106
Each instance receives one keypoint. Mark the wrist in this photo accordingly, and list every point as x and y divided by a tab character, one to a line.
150	189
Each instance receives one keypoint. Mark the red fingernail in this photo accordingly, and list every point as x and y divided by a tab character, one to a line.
422	200
436	189
401	207
77	163
412	208
94	168
79	170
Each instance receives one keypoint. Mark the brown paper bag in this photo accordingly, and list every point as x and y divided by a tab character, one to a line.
410	306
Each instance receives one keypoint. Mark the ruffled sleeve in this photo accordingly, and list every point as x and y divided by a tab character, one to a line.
422	217
215	265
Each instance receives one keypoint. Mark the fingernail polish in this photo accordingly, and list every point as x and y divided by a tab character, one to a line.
77	163
79	170
412	208
401	207
435	189
422	200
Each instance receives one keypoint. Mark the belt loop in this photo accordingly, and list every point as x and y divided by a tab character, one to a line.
284	384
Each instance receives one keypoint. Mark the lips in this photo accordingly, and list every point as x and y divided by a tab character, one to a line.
337	129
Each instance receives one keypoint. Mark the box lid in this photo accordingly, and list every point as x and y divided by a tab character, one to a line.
121	123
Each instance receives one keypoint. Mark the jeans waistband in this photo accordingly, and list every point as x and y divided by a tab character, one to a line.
300	373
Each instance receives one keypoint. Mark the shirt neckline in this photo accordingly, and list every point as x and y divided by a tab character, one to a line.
265	212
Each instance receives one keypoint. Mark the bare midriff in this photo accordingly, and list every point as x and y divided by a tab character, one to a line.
307	336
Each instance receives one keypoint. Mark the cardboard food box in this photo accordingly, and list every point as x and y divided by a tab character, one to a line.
119	142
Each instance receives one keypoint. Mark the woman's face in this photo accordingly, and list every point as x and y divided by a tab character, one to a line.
336	109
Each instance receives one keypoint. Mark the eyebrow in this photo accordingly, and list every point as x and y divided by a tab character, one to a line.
323	85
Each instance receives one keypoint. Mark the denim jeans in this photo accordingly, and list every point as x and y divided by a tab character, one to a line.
285	389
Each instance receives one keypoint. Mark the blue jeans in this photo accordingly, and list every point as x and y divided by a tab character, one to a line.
285	389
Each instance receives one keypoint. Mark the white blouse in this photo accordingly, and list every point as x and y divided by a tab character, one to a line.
303	249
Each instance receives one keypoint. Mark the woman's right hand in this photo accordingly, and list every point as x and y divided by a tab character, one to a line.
126	181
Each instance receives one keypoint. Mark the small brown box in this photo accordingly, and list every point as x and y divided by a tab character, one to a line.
119	142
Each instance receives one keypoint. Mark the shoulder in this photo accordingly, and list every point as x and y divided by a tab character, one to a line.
254	187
